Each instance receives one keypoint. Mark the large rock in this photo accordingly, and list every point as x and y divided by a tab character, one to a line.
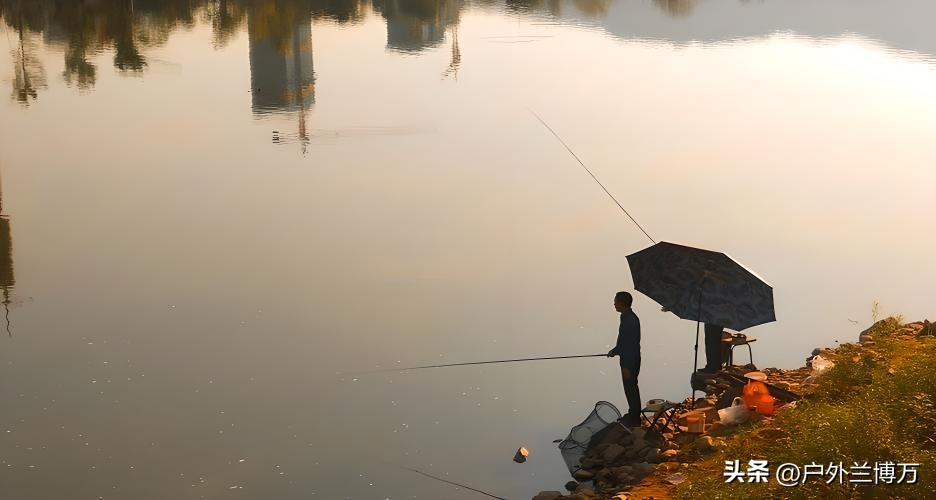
612	434
624	478
638	433
929	329
654	438
684	438
598	450
612	453
641	470
634	452
586	492
604	475
873	328
591	463
653	456
704	403
906	332
548	495
626	440
583	475
624	475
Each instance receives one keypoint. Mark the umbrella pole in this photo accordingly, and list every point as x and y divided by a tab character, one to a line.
695	362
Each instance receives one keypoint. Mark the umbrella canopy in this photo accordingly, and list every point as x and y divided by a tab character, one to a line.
680	278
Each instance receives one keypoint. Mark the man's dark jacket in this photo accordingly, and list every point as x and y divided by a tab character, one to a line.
628	340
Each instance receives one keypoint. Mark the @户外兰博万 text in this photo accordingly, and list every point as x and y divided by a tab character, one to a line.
789	474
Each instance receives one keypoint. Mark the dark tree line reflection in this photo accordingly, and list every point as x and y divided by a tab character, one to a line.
280	29
556	8
279	32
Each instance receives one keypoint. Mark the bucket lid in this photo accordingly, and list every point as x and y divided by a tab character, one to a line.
655	404
759	376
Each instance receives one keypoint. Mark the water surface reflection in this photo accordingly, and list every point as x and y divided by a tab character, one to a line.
197	288
281	46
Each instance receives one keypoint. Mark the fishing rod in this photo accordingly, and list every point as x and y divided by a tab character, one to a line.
592	175
484	363
444	480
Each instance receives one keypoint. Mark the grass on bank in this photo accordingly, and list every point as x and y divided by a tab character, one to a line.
877	404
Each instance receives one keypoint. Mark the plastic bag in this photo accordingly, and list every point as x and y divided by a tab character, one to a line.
737	413
820	364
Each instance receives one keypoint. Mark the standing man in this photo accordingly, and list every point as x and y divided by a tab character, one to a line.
627	349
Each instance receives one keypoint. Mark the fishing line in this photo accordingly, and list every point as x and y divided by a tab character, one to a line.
592	175
483	363
444	480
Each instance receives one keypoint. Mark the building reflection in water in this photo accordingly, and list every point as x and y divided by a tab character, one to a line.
414	25
677	8
552	7
596	9
282	74
6	264
28	72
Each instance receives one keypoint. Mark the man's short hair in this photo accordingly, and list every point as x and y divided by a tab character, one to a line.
624	298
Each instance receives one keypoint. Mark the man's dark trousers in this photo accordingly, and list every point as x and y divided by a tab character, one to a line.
631	391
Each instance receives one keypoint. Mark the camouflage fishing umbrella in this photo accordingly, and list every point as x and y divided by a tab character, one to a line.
679	278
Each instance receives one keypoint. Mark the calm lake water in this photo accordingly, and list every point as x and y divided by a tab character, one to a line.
212	210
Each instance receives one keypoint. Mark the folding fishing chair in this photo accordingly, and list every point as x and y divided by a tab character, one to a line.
661	417
735	340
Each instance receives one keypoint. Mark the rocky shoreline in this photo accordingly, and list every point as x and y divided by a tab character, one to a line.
624	463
